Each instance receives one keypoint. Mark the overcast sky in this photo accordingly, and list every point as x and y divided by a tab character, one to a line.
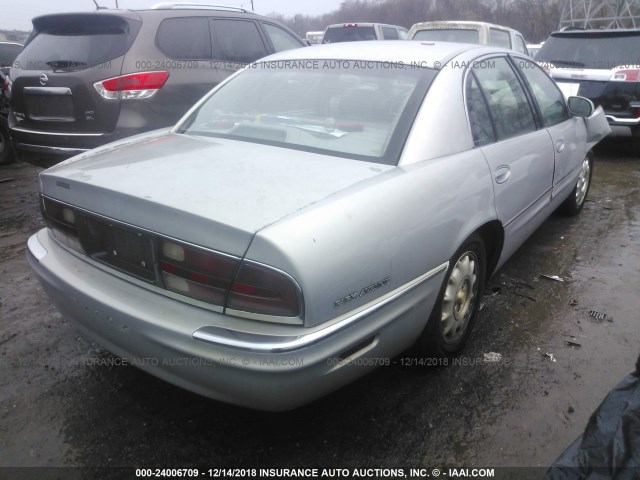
17	14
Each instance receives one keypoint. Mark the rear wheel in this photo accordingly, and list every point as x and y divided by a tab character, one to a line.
575	201
455	310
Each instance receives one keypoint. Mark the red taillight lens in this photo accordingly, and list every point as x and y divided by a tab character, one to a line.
209	277
263	290
133	85
196	273
626	75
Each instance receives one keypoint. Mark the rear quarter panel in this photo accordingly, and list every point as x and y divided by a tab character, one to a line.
393	228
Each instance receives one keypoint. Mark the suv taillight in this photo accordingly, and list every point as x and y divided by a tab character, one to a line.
626	75
132	86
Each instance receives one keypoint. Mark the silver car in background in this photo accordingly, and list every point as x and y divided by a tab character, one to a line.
314	216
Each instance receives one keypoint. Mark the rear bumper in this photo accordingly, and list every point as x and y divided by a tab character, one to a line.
63	145
195	348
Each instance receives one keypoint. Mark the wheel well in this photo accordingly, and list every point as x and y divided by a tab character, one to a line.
492	235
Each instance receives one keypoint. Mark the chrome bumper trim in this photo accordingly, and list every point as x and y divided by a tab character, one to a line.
49	149
58	134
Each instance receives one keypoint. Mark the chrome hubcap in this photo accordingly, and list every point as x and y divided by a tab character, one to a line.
583	182
459	297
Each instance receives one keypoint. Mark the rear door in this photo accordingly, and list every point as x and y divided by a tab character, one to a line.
519	153
53	76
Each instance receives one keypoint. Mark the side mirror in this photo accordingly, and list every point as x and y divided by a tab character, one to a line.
580	107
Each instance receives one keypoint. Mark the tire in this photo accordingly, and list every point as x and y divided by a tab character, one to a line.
454	313
576	200
6	152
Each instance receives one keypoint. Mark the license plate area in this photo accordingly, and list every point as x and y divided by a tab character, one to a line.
50	106
126	250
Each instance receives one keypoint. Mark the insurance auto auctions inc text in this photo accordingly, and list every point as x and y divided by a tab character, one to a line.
375	473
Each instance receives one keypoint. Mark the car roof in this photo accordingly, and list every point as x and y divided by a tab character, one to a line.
459	23
156	12
362	24
391	51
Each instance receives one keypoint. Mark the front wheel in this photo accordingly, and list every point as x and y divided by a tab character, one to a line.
575	201
452	318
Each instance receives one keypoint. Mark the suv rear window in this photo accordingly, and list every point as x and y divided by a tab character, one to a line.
456	35
62	42
349	34
597	50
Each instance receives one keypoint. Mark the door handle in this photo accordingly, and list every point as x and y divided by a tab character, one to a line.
560	146
502	174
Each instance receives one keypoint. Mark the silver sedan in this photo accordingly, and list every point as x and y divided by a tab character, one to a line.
313	216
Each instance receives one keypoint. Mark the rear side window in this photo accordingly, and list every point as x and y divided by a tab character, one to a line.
281	39
456	35
237	41
505	97
499	38
185	38
389	33
349	34
63	42
479	118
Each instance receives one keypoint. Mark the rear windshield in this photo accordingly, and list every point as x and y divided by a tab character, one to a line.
349	34
65	42
358	110
456	35
597	50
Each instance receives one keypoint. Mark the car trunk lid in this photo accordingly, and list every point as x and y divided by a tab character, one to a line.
216	193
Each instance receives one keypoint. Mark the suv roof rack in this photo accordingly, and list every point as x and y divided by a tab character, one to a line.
204	6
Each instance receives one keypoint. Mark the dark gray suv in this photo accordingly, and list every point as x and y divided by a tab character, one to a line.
86	79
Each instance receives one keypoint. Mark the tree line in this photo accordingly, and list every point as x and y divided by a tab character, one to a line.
535	19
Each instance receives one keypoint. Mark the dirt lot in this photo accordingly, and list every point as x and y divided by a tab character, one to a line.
60	405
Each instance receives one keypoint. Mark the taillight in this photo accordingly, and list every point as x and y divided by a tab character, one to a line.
263	290
196	273
240	286
626	75
227	281
62	222
132	86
